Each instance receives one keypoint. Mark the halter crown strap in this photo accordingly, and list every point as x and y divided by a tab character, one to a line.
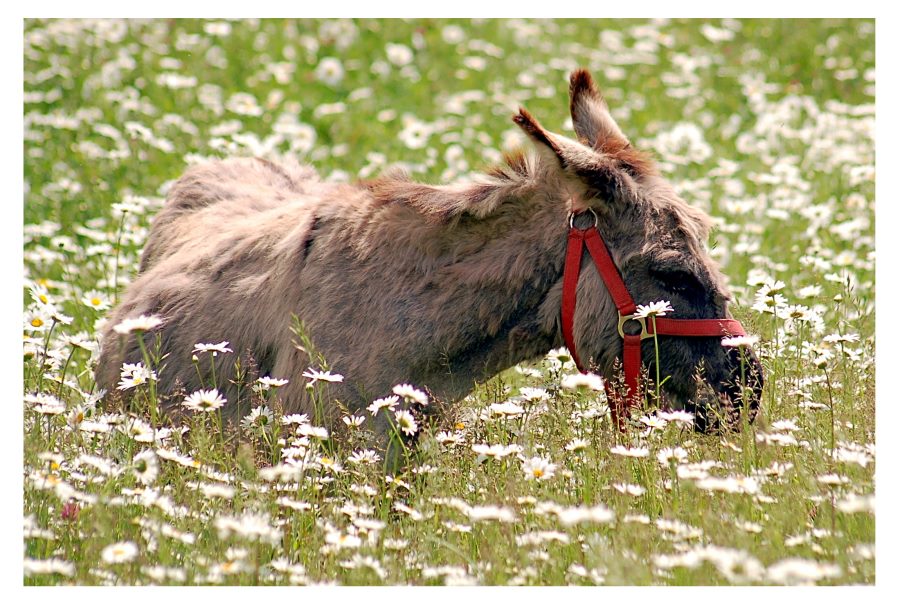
570	285
590	238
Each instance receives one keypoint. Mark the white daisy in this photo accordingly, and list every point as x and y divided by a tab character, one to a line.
582	380
120	552
534	394
40	294
354	421
37	319
584	514
243	104
576	445
449	438
313	431
654	308
498	452
364	456
81	340
410	393
314	376
399	54
342	540
75	417
270	382
45	404
679	417
629	489
140	324
330	71
538	468
259	418
252	526
653	422
630	451
670	454
739	341
214	348
505	409
295	418
146	466
133	375
204	400
378	404
95	300
406	422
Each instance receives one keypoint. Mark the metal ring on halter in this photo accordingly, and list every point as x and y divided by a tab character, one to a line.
573	214
645	334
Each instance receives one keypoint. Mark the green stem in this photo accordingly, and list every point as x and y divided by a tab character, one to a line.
113	290
152	383
656	350
196	362
212	364
831	412
62	380
44	356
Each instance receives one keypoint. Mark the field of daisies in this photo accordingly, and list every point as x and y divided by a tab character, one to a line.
768	125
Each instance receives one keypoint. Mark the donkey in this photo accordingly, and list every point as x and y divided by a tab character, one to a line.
438	285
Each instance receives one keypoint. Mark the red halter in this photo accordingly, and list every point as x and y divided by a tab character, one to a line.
631	355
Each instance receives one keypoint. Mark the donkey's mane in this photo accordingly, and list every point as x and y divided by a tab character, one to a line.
518	174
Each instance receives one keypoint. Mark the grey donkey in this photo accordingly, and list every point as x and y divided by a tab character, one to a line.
437	285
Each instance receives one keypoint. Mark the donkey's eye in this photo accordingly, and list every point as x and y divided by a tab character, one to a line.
677	281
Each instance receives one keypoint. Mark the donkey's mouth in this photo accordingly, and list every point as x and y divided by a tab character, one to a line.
724	404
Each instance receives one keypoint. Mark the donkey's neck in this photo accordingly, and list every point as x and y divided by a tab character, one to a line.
493	291
462	281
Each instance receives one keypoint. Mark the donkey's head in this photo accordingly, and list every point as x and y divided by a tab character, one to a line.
657	242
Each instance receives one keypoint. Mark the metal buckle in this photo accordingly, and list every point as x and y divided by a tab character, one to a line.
572	215
641	320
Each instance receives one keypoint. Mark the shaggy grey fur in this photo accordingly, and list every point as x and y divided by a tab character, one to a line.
398	281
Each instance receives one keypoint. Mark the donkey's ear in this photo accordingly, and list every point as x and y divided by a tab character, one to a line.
570	154
590	115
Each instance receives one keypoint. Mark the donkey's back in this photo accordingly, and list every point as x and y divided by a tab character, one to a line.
222	263
221	195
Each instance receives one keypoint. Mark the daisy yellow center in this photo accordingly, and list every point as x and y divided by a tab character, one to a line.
95	301
327	460
43	298
37	322
460	426
538	473
54	465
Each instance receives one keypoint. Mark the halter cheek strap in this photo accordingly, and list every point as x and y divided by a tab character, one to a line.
590	238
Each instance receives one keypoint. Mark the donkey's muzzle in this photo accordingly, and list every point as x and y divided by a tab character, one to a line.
727	402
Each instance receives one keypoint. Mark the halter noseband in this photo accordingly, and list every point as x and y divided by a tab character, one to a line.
631	349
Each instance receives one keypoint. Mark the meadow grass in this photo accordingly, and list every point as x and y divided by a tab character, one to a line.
768	125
